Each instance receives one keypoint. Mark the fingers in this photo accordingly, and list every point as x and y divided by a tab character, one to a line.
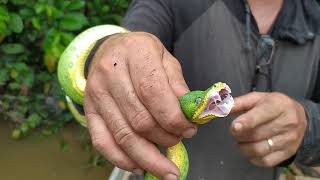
174	74
271	128
262	148
144	153
246	102
270	160
104	142
121	89
152	86
277	126
260	114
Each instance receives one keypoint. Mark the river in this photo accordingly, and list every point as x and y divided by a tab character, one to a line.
37	157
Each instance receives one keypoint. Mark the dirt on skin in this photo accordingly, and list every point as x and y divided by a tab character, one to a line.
36	157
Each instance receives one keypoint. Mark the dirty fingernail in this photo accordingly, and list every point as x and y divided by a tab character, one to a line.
170	177
189	133
237	126
138	171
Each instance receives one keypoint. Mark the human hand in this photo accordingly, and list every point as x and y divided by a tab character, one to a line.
271	128
131	102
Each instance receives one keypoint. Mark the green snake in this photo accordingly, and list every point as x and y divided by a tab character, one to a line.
198	106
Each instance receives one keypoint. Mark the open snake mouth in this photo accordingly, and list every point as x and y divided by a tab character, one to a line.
219	103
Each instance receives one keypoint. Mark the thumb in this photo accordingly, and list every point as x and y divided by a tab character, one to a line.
246	102
174	74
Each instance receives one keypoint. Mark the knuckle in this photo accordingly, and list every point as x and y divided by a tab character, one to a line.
98	93
150	88
91	88
132	40
123	136
105	69
277	95
99	143
177	65
294	122
282	99
142	122
256	137
174	120
105	66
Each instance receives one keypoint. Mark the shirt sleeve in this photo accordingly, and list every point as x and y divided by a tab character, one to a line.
152	16
309	152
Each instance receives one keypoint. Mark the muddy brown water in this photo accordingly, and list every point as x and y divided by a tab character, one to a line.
38	158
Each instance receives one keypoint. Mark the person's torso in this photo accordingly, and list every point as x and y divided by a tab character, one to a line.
212	48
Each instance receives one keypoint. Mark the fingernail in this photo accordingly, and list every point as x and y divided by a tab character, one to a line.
170	177
237	126
138	171
189	133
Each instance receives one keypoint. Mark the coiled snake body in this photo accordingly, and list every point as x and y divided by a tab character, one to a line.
198	106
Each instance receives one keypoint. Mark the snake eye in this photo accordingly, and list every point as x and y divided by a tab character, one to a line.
198	100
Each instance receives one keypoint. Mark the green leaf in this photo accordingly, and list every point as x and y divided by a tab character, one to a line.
18	2
14	86
34	120
12	48
36	23
50	62
4	1
26	12
39	8
15	23
66	38
106	9
76	5
4	14
3	28
24	128
49	10
3	76
73	21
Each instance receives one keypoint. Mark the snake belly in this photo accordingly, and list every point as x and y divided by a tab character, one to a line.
198	106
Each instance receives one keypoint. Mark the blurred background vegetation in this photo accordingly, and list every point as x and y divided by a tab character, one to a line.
33	34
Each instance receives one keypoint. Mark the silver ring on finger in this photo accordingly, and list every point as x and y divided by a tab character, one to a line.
270	144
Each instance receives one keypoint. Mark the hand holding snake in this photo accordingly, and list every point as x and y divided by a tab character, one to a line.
130	101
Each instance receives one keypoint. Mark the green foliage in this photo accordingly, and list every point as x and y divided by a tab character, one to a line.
33	35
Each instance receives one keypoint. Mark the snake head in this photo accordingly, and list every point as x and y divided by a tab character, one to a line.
203	106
